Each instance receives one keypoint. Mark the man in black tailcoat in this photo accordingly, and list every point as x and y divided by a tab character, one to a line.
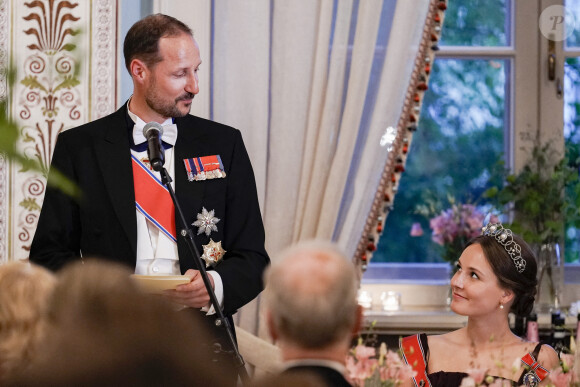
118	219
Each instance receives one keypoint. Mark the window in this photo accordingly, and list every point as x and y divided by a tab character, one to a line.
572	121
465	112
477	106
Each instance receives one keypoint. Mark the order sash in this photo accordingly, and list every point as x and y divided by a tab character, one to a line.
153	200
414	356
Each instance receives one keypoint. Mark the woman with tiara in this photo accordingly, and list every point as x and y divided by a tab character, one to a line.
496	274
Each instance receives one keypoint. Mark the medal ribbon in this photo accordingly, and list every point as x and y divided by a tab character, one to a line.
196	165
208	163
152	199
414	356
540	371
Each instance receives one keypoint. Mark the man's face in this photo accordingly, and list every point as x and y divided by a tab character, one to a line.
174	82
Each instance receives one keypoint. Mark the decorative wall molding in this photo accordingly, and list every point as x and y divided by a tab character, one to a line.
104	58
64	53
4	44
3	209
48	97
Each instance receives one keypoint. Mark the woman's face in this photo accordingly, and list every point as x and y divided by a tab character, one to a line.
476	291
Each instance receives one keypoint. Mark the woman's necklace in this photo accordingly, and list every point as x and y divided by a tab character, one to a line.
472	355
497	366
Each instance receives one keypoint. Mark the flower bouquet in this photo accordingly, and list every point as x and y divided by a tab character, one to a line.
367	367
478	377
565	375
453	227
562	376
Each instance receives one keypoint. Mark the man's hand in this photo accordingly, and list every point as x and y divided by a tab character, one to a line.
194	294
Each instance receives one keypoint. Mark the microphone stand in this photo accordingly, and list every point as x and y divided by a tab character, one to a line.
186	232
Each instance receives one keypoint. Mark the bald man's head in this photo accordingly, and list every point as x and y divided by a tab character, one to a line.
311	294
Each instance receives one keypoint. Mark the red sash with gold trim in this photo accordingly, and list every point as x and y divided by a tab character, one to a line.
414	355
153	200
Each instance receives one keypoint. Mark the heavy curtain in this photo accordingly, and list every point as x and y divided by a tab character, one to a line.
313	86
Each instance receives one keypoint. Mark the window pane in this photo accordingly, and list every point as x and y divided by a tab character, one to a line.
574	39
572	139
459	140
477	23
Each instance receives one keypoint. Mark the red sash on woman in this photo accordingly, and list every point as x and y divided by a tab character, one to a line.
414	355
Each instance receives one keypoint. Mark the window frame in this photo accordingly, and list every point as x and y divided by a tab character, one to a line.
529	107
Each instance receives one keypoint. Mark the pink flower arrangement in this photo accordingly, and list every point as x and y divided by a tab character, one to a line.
559	378
460	221
453	227
564	376
368	367
477	377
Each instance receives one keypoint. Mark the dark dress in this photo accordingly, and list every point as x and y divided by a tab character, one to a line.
453	379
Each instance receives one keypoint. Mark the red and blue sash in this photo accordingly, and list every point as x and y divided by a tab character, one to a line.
414	355
153	200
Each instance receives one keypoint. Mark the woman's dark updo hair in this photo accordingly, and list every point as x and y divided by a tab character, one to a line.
524	284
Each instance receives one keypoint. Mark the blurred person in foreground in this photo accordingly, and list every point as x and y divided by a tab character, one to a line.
311	310
106	332
24	293
496	275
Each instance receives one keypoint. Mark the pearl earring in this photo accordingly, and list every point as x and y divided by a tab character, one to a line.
501	306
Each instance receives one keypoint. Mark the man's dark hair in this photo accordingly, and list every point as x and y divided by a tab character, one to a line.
142	40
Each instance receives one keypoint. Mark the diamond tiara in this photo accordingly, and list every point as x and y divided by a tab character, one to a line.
505	237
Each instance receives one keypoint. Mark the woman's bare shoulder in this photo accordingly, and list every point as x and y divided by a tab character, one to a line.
548	357
450	336
447	340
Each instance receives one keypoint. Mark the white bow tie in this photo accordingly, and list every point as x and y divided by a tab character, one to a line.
169	135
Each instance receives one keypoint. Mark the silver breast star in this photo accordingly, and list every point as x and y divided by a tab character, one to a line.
206	222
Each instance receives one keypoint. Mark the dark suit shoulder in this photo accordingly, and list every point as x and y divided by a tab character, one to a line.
206	127
329	376
112	128
96	129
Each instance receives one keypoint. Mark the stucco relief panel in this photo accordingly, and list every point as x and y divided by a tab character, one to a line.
52	49
4	165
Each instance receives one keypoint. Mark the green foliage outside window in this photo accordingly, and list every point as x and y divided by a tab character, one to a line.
572	143
476	23
460	135
454	152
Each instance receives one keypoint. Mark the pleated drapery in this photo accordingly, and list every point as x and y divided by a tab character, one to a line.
313	85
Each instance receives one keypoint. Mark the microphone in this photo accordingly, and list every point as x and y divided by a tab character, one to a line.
153	132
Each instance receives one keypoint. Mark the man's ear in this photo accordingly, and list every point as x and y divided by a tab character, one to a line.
358	321
139	71
271	326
